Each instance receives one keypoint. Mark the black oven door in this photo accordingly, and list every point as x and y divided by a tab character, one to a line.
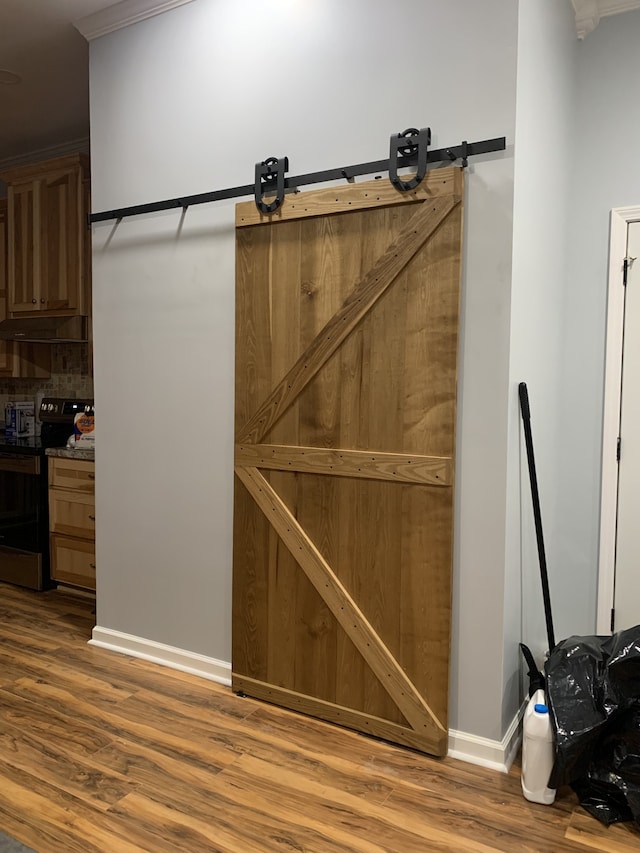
23	520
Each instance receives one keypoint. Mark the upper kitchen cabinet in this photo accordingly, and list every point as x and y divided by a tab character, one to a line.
24	360
48	239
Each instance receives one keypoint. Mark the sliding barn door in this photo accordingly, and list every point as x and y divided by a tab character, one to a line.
346	348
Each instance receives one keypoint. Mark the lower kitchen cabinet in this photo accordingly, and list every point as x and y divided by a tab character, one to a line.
72	522
73	561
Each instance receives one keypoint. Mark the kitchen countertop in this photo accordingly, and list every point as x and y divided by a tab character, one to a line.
63	452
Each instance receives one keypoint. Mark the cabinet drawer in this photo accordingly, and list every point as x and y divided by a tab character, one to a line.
73	561
72	513
76	474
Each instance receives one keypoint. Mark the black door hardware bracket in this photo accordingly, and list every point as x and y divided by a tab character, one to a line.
268	178
405	147
462	153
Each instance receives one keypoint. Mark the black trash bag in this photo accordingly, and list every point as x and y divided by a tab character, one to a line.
611	791
593	692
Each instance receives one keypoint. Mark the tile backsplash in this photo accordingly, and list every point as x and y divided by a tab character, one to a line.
70	377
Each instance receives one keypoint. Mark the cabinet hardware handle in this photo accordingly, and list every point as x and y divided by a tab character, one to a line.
43	301
34	301
92	565
91	476
92	517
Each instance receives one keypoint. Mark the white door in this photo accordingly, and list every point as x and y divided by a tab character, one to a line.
627	575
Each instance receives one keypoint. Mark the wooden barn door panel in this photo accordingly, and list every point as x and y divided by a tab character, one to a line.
347	316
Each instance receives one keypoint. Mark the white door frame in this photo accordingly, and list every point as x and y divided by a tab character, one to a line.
620	219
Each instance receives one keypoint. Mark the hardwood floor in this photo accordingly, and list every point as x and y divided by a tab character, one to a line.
100	752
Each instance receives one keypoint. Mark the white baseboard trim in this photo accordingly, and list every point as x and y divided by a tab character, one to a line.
494	754
139	647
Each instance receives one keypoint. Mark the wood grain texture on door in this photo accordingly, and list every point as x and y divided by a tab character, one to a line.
346	361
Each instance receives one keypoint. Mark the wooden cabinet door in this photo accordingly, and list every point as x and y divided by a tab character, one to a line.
17	360
72	513
72	521
6	365
62	240
4	249
76	474
24	239
346	362
48	237
73	561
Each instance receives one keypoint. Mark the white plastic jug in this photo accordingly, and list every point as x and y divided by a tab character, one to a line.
538	751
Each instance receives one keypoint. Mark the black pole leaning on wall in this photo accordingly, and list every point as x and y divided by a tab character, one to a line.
458	152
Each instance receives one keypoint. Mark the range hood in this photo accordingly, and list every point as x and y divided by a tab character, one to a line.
45	330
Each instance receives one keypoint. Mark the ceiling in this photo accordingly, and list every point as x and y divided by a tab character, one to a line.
47	113
49	109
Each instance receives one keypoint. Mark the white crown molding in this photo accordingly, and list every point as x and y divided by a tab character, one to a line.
614	7
70	147
122	15
587	16
589	12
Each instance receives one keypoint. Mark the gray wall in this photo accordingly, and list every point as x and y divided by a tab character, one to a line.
605	172
189	101
545	118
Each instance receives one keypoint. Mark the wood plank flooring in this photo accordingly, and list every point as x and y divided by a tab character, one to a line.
101	752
